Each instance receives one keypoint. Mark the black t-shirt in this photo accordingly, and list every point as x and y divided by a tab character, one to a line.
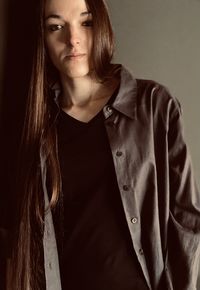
97	252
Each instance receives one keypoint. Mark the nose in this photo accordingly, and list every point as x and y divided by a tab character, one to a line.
73	36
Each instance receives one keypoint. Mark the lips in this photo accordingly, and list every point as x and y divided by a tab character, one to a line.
76	55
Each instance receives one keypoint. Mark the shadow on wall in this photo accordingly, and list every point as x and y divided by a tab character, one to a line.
19	43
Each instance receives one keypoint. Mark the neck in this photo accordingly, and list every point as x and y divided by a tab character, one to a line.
78	91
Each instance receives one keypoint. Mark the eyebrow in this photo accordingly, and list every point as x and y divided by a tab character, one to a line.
56	16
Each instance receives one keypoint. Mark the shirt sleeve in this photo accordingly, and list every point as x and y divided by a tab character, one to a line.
184	216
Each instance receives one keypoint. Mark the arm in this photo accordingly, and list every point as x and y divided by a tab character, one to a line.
184	220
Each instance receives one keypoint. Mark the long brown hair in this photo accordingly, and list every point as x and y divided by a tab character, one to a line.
39	133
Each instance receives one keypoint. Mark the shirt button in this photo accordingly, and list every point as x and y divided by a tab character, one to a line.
50	266
119	153
141	252
134	220
125	187
109	109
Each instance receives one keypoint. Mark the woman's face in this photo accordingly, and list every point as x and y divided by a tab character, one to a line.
68	36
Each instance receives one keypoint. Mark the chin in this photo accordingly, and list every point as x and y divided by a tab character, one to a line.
76	71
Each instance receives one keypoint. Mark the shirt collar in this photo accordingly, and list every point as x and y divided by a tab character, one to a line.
125	101
56	88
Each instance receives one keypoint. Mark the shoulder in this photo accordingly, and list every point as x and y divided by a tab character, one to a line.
146	90
149	97
158	104
155	92
157	96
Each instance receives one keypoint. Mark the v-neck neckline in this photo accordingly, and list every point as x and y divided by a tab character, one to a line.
77	121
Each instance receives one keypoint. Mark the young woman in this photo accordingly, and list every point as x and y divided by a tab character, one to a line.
108	195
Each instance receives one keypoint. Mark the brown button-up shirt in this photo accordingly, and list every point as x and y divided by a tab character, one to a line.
155	177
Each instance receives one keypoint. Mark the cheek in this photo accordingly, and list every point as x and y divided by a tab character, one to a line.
89	49
53	48
90	41
51	45
90	45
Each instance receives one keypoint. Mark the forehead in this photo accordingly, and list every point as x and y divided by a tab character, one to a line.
67	8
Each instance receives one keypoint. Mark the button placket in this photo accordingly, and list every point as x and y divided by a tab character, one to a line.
48	231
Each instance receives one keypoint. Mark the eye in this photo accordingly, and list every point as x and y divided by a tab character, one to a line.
54	27
88	23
